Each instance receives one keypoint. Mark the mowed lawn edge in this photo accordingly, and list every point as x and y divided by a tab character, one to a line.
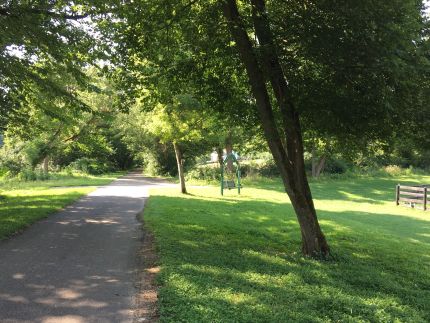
237	258
24	203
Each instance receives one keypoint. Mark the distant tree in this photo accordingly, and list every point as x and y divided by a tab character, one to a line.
180	122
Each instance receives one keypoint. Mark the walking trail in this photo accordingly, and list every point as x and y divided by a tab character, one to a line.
78	265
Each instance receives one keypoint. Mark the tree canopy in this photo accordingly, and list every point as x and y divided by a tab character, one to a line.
162	79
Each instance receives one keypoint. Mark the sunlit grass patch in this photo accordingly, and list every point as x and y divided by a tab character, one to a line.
237	258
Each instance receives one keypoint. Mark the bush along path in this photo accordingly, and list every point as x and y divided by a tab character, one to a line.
79	264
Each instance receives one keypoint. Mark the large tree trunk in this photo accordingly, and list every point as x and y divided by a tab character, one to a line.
320	166
46	164
219	155
289	158
229	150
180	163
314	161
317	164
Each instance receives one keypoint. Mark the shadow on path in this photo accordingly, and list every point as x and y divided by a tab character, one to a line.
79	264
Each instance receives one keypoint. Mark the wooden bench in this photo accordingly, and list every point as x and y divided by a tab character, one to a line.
414	196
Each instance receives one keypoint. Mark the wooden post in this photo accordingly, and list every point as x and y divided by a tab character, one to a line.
425	198
397	194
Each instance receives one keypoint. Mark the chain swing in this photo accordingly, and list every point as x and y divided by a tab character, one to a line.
229	179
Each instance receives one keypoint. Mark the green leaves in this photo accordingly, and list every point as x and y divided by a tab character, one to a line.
40	40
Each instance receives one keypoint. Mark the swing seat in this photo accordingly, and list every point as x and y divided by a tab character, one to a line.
229	184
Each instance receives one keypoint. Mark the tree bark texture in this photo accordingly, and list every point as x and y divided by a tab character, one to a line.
180	163
314	162
287	153
219	155
229	150
320	166
46	164
317	164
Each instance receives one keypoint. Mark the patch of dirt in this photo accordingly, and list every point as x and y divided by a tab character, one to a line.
146	306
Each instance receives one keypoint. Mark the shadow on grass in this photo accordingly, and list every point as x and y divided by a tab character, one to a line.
365	190
238	260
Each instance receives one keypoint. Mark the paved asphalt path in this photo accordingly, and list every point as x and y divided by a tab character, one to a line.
79	264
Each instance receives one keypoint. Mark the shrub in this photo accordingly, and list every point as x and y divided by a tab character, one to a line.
42	176
211	172
205	172
152	166
11	167
69	170
268	169
90	166
335	166
160	160
11	163
3	172
27	175
393	170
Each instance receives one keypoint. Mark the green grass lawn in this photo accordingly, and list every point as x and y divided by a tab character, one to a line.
23	203
237	259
